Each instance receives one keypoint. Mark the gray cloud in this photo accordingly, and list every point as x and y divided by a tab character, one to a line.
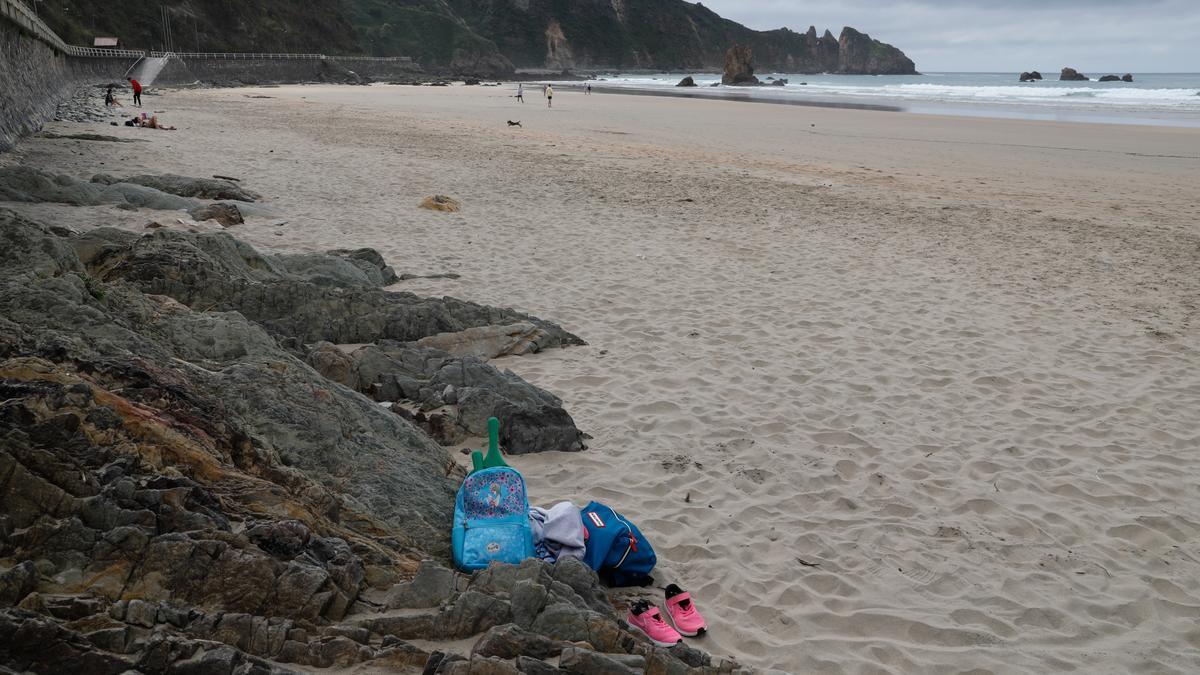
1003	35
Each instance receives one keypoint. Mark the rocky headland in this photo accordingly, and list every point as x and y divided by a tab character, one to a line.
219	460
489	37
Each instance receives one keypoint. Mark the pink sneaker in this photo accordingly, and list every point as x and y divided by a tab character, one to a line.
683	612
647	619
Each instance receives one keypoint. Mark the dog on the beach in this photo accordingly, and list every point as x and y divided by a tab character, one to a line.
515	124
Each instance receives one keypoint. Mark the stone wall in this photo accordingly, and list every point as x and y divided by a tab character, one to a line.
34	78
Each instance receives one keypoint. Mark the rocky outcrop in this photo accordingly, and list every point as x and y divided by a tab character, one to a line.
180	492
739	67
1117	78
1033	76
184	186
687	82
1072	75
858	53
1127	77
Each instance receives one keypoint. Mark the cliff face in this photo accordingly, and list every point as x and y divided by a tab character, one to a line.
662	34
484	36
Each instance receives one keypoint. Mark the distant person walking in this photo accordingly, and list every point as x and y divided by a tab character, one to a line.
549	96
521	93
589	90
137	91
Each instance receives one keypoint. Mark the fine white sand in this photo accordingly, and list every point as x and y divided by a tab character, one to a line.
951	363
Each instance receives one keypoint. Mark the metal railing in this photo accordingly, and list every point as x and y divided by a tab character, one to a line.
26	19
96	52
262	55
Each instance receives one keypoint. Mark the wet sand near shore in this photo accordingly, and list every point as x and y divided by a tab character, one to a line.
887	392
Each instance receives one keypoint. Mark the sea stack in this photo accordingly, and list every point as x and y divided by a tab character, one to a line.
739	66
1072	75
687	82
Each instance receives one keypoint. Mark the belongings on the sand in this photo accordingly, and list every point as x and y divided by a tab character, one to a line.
515	124
494	523
441	203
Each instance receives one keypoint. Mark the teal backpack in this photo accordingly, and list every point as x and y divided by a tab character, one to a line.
491	515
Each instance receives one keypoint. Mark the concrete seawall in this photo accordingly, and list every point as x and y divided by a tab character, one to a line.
35	77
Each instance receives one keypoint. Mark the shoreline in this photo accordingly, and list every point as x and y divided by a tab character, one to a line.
791	95
949	360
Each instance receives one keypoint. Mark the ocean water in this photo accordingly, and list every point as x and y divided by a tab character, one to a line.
1152	98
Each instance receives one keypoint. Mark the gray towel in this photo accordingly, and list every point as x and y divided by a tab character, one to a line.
558	531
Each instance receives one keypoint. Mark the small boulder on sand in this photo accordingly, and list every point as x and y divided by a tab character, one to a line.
224	213
441	203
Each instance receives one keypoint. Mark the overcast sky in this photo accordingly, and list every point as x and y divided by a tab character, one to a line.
1114	36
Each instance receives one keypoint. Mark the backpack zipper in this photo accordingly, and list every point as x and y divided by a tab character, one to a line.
632	540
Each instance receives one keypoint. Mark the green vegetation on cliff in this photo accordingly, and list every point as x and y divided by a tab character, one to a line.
481	36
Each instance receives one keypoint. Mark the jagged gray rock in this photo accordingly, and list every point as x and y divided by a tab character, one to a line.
588	662
434	585
184	186
510	641
26	184
224	213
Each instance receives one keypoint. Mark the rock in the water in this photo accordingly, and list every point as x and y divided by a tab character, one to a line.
441	203
1127	77
780	82
1110	78
224	213
1031	76
1072	75
687	82
739	66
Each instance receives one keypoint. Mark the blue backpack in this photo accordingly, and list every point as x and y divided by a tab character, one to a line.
616	549
491	520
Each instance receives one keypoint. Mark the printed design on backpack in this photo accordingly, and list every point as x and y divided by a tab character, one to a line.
491	520
494	495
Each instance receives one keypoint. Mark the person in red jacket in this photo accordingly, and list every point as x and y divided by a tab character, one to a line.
137	91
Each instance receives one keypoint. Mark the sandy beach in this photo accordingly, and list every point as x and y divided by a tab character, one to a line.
887	392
